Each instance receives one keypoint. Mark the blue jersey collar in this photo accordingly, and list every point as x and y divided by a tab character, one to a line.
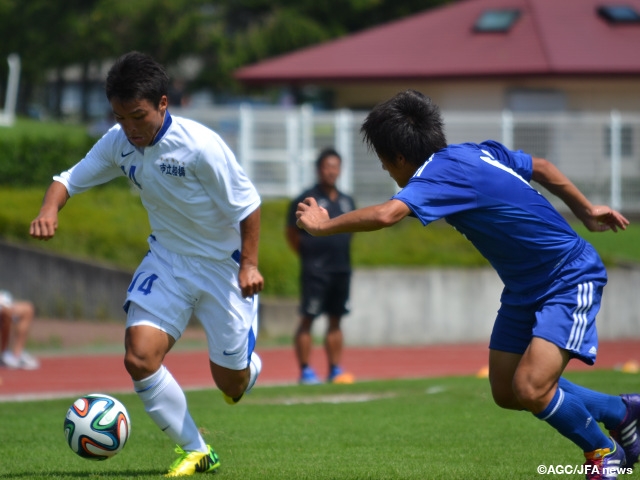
165	126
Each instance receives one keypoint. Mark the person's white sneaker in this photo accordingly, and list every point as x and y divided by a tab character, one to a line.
25	361
28	361
10	360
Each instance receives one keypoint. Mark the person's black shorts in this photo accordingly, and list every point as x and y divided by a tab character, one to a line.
325	293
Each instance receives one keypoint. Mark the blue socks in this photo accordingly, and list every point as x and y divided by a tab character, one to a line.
607	409
568	415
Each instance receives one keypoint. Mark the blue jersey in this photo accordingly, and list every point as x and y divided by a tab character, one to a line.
483	191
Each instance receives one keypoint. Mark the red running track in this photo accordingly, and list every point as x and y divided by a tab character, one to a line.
62	376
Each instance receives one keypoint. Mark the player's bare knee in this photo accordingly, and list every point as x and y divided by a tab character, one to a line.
304	327
132	365
139	366
532	397
504	397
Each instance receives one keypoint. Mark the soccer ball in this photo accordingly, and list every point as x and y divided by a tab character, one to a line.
97	426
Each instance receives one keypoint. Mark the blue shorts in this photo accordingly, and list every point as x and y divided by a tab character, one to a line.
564	314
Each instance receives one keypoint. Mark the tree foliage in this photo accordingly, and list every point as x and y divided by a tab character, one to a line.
51	35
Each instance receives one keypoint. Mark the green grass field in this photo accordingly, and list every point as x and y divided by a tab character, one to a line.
444	428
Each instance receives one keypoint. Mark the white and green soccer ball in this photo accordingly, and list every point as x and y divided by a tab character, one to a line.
97	426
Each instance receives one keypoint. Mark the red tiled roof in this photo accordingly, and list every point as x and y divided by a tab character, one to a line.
550	37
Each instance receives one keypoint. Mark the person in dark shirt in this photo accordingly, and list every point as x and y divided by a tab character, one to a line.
325	274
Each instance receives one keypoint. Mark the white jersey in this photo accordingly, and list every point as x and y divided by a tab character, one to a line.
190	183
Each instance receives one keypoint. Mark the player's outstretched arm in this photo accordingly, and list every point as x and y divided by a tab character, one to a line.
46	223
315	219
597	218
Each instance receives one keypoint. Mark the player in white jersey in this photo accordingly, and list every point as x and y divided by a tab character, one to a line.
553	279
203	259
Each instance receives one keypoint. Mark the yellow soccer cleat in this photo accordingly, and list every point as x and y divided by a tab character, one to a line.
231	400
190	463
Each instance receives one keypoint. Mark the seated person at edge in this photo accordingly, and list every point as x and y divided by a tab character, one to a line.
16	317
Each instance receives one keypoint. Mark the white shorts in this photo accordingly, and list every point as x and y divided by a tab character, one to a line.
167	289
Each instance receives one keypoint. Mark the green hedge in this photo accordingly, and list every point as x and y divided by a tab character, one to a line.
33	151
108	223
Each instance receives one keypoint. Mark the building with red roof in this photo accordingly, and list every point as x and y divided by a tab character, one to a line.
484	55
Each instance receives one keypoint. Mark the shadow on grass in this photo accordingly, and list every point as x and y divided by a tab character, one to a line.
84	474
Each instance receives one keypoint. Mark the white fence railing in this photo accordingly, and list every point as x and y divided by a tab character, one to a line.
8	113
277	147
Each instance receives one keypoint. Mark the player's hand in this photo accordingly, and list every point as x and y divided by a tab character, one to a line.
44	226
310	215
250	281
601	218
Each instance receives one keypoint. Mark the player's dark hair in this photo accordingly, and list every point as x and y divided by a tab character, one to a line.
137	76
408	124
326	152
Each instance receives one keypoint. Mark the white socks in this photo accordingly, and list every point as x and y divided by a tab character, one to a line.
255	367
166	404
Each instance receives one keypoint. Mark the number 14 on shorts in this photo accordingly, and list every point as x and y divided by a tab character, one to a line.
145	284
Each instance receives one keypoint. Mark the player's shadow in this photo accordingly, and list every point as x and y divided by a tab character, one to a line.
85	474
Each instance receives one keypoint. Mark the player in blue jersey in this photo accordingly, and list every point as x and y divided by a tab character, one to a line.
553	279
203	249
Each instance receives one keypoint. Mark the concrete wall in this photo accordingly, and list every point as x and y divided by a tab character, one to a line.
402	307
444	305
388	306
63	287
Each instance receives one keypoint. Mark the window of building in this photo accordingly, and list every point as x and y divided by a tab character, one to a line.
496	20
530	100
619	14
535	137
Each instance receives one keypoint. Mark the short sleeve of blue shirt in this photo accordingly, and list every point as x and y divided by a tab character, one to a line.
446	183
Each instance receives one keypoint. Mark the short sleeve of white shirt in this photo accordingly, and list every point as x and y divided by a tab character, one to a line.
225	182
96	168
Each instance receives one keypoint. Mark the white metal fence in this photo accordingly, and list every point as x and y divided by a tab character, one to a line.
277	147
